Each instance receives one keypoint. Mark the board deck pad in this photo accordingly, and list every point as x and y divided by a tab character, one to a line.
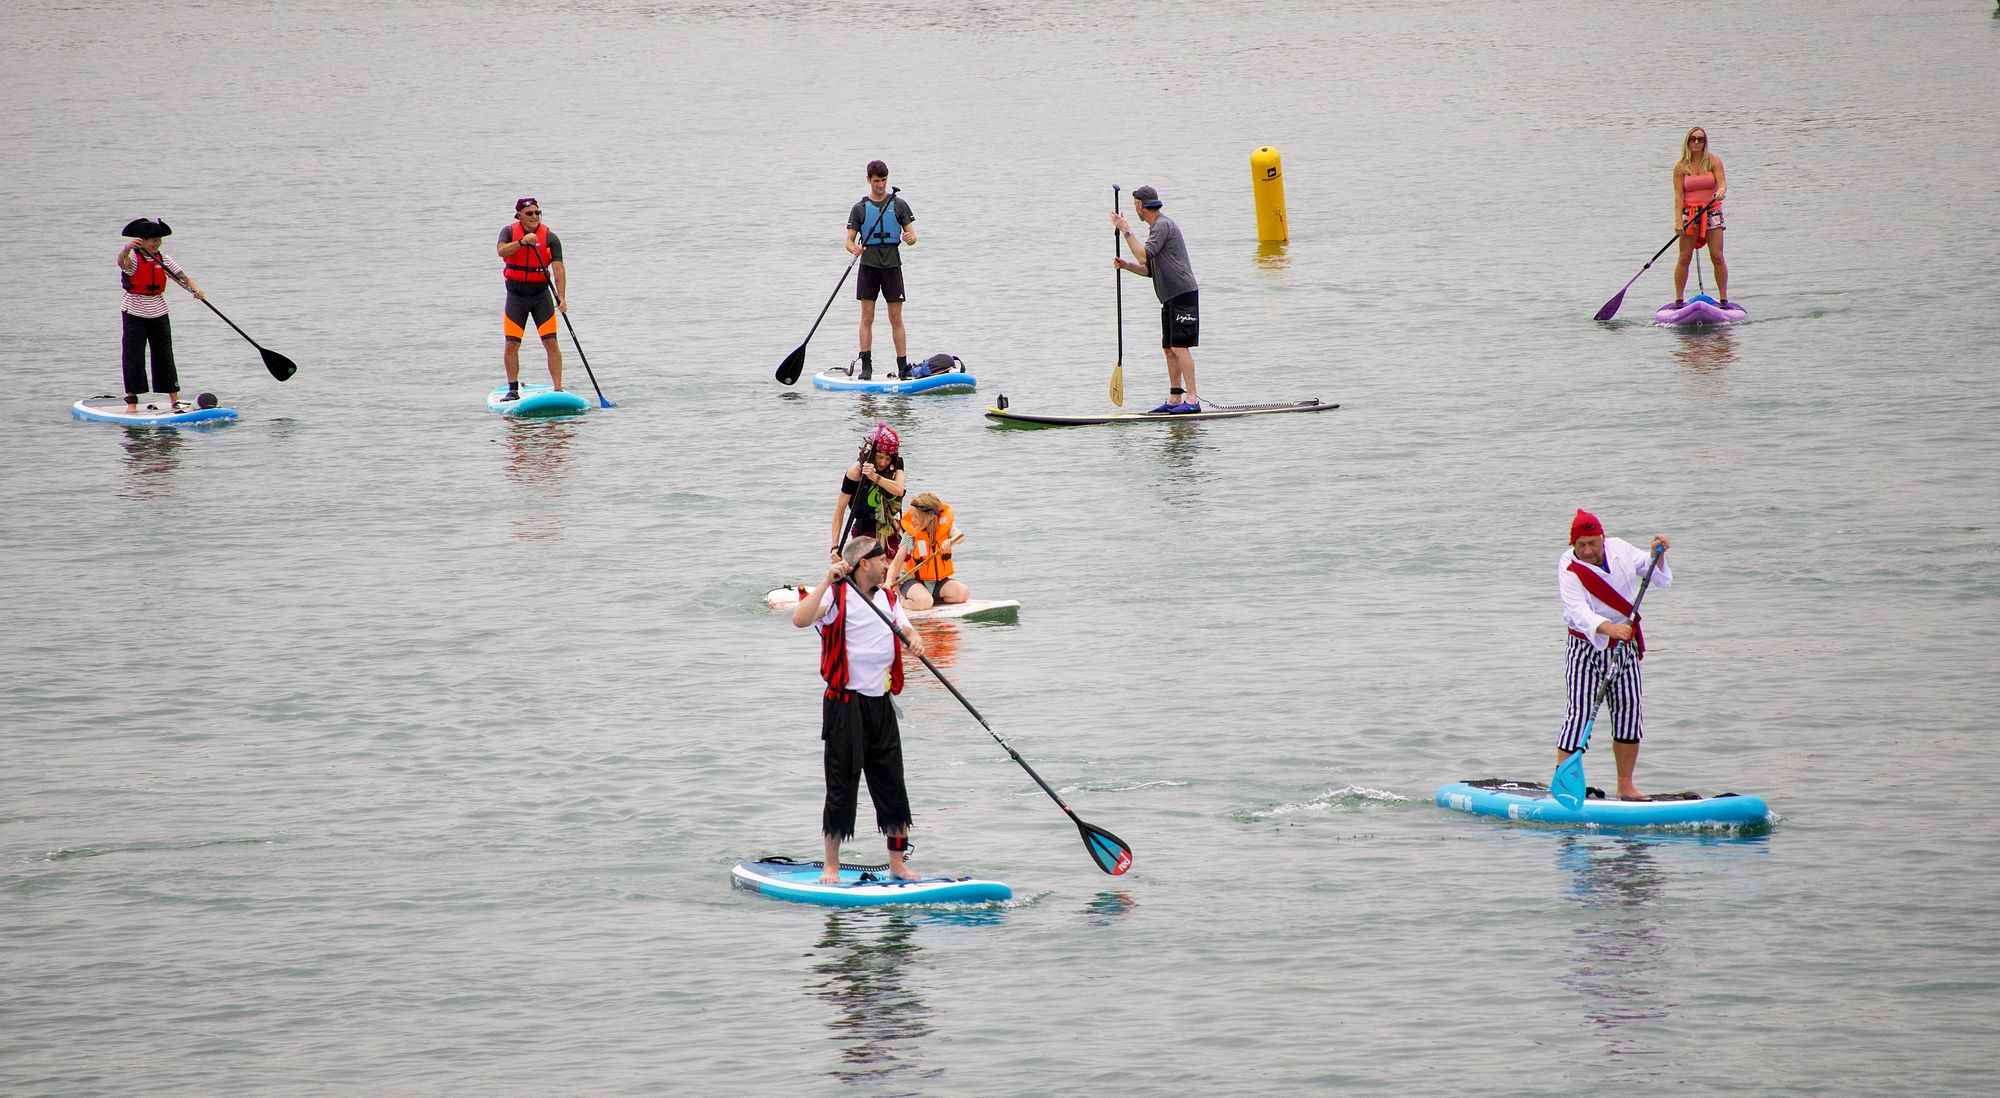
860	885
153	413
1006	416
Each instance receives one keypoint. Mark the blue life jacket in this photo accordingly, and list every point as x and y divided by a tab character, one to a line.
878	223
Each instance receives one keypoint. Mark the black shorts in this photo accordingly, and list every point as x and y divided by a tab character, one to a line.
541	305
888	281
861	737
1180	322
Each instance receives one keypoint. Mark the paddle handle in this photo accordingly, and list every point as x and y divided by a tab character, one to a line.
1617	664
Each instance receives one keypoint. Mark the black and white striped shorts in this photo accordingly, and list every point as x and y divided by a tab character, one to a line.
1583	671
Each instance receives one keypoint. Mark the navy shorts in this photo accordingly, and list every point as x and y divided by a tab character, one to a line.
888	281
1180	322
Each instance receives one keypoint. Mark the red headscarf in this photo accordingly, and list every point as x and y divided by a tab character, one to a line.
885	441
1584	525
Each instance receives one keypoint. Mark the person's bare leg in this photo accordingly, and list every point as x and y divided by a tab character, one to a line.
1627	756
1681	268
896	329
830	874
1721	268
554	348
897	868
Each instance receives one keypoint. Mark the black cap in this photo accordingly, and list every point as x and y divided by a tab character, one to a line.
1147	197
143	229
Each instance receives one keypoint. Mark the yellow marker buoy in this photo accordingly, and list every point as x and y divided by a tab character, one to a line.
1267	186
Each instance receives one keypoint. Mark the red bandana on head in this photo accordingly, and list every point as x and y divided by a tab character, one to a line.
885	440
1584	525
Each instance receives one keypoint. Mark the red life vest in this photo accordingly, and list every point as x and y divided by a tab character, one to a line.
1601	589
529	264
833	648
148	277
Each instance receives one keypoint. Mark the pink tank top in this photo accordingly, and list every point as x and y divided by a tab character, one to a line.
1696	190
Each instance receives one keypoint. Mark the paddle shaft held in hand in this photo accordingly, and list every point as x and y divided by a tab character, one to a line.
1610	308
1118	280
536	253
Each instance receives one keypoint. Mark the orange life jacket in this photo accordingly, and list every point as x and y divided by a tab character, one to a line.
529	264
930	556
148	277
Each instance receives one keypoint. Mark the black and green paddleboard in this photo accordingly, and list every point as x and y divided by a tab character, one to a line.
1008	417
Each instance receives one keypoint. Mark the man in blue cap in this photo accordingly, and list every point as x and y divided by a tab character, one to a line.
1164	259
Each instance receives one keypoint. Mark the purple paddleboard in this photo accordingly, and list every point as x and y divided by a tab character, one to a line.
1698	310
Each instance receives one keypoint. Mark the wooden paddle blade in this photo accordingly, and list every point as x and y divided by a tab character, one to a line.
794	364
1567	785
1610	307
281	367
1107	850
1118	385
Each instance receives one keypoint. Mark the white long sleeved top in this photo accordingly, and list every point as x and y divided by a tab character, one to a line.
1624	564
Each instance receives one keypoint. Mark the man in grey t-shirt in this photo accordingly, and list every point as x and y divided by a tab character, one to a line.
1164	259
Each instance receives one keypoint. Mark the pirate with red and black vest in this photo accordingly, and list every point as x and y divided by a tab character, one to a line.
1597	578
861	659
145	270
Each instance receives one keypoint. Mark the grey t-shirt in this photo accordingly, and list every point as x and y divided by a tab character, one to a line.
866	216
1167	260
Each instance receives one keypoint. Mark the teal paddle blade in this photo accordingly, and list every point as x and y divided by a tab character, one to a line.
1567	785
1107	850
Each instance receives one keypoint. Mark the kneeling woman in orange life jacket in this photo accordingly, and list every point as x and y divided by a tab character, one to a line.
929	541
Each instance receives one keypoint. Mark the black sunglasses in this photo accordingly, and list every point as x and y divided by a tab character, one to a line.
531	213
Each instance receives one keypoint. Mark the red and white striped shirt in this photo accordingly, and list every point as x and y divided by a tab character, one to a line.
148	304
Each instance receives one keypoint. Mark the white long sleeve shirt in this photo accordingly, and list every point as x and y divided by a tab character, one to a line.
1624	564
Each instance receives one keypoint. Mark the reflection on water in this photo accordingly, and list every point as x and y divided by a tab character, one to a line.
879	1023
152	457
1106	908
538	457
1271	255
1617	956
941	639
1706	351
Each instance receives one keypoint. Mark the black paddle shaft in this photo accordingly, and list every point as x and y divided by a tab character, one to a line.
281	367
574	342
1117	279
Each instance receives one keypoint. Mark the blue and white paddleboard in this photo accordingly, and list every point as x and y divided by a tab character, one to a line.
111	409
860	885
537	401
954	381
1530	802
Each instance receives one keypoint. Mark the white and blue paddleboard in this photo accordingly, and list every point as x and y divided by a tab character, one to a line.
159	413
860	885
1530	802
949	381
536	402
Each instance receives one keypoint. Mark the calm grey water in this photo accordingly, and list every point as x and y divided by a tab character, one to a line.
373	745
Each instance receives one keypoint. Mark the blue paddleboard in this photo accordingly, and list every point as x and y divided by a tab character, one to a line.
1530	802
537	401
860	885
111	409
955	381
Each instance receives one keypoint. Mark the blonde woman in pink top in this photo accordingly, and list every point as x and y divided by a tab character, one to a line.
1697	180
